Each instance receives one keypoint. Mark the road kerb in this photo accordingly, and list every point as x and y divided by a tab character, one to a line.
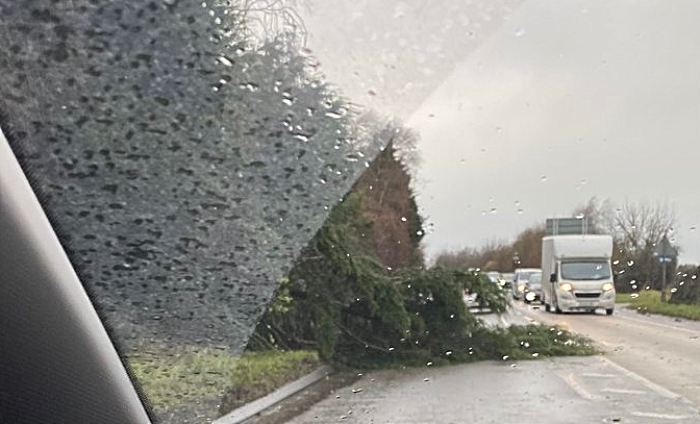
257	406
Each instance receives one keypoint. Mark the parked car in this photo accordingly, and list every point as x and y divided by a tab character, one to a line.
520	280
533	288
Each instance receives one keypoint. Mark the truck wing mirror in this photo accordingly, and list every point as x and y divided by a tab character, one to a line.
552	278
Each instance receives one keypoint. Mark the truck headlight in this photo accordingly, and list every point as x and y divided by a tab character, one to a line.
608	287
566	287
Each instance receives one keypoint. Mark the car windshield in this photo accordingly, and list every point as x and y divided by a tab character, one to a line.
535	278
585	271
257	193
525	276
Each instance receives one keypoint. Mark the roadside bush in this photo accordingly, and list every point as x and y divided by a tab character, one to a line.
687	287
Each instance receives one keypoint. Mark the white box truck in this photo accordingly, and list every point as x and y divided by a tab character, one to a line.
576	273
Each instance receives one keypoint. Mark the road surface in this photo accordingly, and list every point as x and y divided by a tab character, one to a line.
647	375
662	349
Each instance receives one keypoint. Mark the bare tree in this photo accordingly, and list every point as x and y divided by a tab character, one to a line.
638	229
599	214
642	225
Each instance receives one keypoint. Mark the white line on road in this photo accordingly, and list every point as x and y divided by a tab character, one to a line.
600	375
571	381
625	391
662	416
648	383
658	324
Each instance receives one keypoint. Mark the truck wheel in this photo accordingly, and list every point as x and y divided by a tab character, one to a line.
609	311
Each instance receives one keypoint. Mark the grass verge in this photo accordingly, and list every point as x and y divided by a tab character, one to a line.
171	379
649	302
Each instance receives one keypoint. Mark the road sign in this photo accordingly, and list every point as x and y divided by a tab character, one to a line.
665	250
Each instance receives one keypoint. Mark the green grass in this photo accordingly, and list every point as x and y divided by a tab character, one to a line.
173	378
649	301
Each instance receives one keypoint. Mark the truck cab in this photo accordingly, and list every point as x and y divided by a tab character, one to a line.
577	273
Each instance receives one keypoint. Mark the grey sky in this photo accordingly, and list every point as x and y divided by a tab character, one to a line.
601	98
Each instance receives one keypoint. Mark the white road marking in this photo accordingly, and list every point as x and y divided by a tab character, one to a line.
625	391
571	381
647	383
662	416
594	375
658	324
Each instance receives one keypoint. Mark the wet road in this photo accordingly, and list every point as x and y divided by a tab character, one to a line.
648	375
662	349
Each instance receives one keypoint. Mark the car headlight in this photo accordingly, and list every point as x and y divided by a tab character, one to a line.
566	287
530	296
608	287
521	287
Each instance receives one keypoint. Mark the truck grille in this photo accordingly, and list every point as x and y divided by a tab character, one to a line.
587	295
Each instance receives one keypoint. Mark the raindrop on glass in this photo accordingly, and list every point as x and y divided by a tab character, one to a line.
225	61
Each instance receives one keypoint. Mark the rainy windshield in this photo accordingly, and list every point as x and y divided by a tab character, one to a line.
257	193
585	271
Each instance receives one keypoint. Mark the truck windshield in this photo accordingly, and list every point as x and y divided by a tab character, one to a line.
585	270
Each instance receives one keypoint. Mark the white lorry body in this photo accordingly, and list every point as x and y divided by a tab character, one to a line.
577	274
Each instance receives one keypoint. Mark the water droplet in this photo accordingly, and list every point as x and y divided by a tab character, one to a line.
520	211
535	355
429	364
580	216
630	262
634	295
505	357
403	219
356	390
543	178
287	101
391	349
693	228
520	32
419	232
426	379
225	61
616	262
493	210
499	130
372	92
448	353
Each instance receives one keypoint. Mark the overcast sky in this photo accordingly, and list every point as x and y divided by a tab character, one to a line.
557	103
